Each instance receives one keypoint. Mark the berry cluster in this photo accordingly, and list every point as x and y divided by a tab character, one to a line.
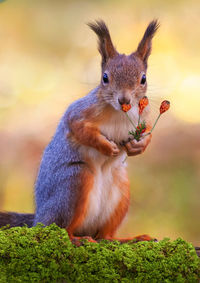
126	107
141	127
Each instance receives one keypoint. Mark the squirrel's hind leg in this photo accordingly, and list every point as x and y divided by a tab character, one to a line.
120	180
136	239
86	185
66	206
110	227
77	240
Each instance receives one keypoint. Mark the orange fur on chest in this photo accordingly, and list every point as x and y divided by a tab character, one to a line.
104	193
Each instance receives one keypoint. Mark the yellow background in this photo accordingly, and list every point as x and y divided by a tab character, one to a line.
48	58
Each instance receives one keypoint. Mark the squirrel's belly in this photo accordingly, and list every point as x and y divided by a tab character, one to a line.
103	200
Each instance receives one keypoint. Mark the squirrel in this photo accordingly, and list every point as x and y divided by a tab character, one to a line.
82	183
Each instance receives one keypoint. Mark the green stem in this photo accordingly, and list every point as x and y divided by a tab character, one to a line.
131	121
139	120
155	123
152	127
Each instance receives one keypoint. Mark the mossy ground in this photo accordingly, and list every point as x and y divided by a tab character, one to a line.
45	254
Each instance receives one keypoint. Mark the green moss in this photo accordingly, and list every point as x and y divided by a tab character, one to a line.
45	254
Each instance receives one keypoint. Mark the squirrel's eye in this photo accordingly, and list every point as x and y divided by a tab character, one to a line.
105	78
143	79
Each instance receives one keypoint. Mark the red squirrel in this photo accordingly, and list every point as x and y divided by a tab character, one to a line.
82	183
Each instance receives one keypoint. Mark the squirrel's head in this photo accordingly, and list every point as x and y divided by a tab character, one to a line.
123	78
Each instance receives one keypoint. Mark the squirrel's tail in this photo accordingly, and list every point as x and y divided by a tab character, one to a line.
16	219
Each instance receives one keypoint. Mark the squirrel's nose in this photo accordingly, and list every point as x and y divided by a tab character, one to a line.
123	101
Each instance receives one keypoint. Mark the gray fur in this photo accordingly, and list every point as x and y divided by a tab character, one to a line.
58	177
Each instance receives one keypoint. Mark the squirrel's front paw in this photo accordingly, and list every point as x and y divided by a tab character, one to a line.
134	147
114	149
109	148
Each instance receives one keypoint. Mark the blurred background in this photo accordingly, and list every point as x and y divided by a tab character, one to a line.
48	58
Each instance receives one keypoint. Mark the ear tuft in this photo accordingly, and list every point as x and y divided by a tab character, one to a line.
152	28
105	45
145	45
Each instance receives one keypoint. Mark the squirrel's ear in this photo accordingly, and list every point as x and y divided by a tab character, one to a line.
145	45
105	45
